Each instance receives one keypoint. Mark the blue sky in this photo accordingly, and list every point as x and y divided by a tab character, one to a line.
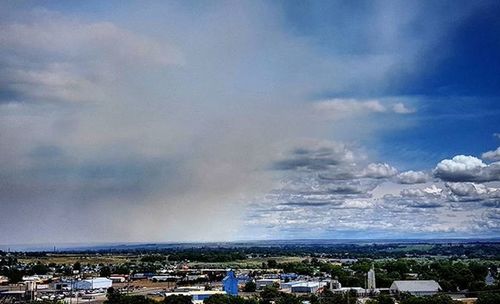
130	121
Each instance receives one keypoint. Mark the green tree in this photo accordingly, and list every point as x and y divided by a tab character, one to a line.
479	271
14	276
435	299
270	293
286	298
385	299
272	264
250	286
328	297
40	268
488	298
114	297
105	271
225	299
178	299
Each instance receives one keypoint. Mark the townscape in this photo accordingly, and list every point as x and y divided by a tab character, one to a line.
404	273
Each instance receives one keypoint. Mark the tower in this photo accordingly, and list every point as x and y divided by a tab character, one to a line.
371	278
230	283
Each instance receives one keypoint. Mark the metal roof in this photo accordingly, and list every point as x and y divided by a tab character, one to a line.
416	285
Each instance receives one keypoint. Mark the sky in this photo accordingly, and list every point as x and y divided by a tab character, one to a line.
141	121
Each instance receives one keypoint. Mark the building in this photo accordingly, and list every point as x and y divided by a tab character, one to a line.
243	279
335	284
288	276
307	287
164	278
361	292
260	284
197	296
370	279
90	284
490	279
416	287
230	283
118	279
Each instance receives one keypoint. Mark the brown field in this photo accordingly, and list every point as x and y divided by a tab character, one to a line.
70	259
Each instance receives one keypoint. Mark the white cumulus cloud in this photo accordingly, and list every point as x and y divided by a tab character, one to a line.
401	108
462	168
412	177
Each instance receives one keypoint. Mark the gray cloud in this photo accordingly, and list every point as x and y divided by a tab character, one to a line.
492	155
316	157
340	107
429	192
379	170
139	125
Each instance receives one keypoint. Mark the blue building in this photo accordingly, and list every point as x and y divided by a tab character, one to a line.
230	283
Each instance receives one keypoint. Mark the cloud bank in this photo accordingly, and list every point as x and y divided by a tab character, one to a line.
175	122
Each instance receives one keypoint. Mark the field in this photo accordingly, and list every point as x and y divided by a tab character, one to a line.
70	259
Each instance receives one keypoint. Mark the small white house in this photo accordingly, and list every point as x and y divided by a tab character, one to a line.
416	287
118	279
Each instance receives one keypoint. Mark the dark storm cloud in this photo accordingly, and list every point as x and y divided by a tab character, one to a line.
51	171
346	189
492	204
312	160
425	205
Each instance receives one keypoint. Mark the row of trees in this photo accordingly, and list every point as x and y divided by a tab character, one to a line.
273	295
451	275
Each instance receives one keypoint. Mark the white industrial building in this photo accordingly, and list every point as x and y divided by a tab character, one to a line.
307	287
416	287
90	284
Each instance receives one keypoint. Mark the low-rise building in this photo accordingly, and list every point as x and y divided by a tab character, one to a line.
416	287
118	279
307	287
261	283
90	284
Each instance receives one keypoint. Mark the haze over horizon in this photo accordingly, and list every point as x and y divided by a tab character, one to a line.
165	121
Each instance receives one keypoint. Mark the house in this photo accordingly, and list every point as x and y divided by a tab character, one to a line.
416	287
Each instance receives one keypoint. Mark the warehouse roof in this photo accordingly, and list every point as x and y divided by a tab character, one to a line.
416	285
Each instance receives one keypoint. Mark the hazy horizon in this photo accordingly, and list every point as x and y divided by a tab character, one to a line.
51	247
170	121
